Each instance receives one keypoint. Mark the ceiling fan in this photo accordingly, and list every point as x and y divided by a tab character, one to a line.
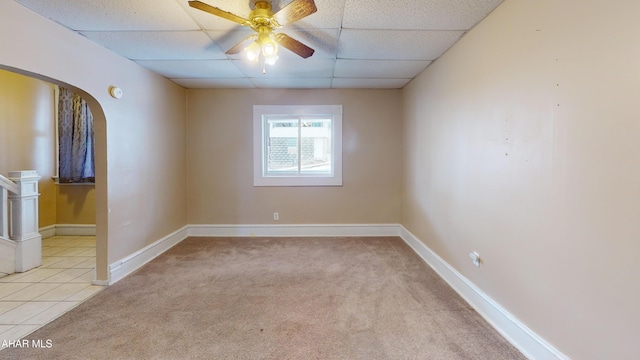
264	43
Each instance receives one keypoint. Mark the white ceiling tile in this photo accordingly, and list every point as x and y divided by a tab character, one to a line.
346	83
416	14
225	40
293	83
395	44
243	83
193	68
379	68
288	68
164	45
328	16
362	44
100	15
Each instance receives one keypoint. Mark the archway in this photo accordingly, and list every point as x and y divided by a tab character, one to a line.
101	203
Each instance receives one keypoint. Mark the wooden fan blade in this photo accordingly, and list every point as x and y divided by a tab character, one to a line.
295	45
294	11
241	45
221	13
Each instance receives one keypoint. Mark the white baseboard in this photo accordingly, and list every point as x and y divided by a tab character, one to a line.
76	229
517	333
47	231
126	266
295	230
68	230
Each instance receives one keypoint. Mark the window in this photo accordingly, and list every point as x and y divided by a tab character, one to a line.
74	141
297	145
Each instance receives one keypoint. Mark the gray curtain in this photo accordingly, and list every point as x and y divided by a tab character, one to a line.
75	139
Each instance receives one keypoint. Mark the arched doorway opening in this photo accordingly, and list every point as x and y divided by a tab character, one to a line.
101	210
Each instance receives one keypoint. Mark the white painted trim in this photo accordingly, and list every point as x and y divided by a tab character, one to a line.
67	230
76	229
517	333
101	282
295	230
8	184
47	231
129	264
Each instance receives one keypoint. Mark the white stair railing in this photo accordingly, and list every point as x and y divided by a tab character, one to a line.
6	186
7	247
20	240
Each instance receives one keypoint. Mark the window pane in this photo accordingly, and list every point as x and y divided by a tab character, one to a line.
315	157
297	145
282	145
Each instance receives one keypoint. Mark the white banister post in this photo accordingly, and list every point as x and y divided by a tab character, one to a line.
24	220
4	213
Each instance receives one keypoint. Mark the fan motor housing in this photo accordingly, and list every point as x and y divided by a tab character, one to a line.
262	15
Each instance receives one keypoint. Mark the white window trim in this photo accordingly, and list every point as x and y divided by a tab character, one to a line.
259	176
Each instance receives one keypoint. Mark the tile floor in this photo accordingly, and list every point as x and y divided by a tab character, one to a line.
31	299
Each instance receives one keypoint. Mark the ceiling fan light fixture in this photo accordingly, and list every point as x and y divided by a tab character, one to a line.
253	51
263	21
264	48
271	60
269	48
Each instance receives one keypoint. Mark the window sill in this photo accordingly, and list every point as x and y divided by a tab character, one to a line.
297	181
56	180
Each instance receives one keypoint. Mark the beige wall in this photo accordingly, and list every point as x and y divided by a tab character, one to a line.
27	135
521	143
75	204
140	139
220	160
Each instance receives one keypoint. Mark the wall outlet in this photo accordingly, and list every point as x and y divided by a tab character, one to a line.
276	216
475	257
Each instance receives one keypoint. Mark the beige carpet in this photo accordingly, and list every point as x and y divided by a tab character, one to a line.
275	298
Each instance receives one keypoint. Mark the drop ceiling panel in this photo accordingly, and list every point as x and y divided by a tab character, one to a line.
416	14
395	44
193	68
215	83
152	45
328	16
369	83
100	15
292	83
378	68
225	40
360	44
288	68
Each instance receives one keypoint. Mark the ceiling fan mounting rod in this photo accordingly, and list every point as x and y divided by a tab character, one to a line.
263	5
262	16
